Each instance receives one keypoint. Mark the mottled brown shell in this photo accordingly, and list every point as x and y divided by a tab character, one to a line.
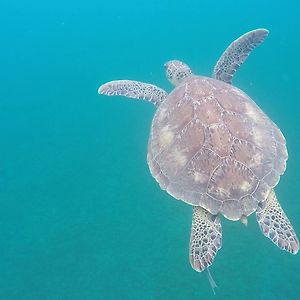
211	146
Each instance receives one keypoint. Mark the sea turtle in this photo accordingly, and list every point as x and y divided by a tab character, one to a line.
212	147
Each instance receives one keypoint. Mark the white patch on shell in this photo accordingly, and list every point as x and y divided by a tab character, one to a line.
245	186
253	113
256	160
179	158
222	191
166	137
259	138
198	177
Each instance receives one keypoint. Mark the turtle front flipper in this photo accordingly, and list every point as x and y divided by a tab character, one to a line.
135	90
275	225
236	53
206	238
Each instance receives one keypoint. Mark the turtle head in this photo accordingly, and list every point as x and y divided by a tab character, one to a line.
177	71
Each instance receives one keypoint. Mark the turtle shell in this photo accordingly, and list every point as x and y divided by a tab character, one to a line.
210	145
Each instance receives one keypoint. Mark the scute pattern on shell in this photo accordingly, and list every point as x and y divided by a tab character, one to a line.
210	145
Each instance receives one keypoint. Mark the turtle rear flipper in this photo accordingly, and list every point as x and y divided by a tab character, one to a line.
135	90
206	238
275	225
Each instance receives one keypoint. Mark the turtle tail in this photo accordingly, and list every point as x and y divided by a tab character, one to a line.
212	283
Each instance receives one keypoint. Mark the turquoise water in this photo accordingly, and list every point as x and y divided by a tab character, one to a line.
80	216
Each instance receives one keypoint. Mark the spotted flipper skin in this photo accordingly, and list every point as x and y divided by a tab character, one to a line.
236	53
135	90
275	225
206	238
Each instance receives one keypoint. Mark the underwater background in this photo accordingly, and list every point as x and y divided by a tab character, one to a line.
80	215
